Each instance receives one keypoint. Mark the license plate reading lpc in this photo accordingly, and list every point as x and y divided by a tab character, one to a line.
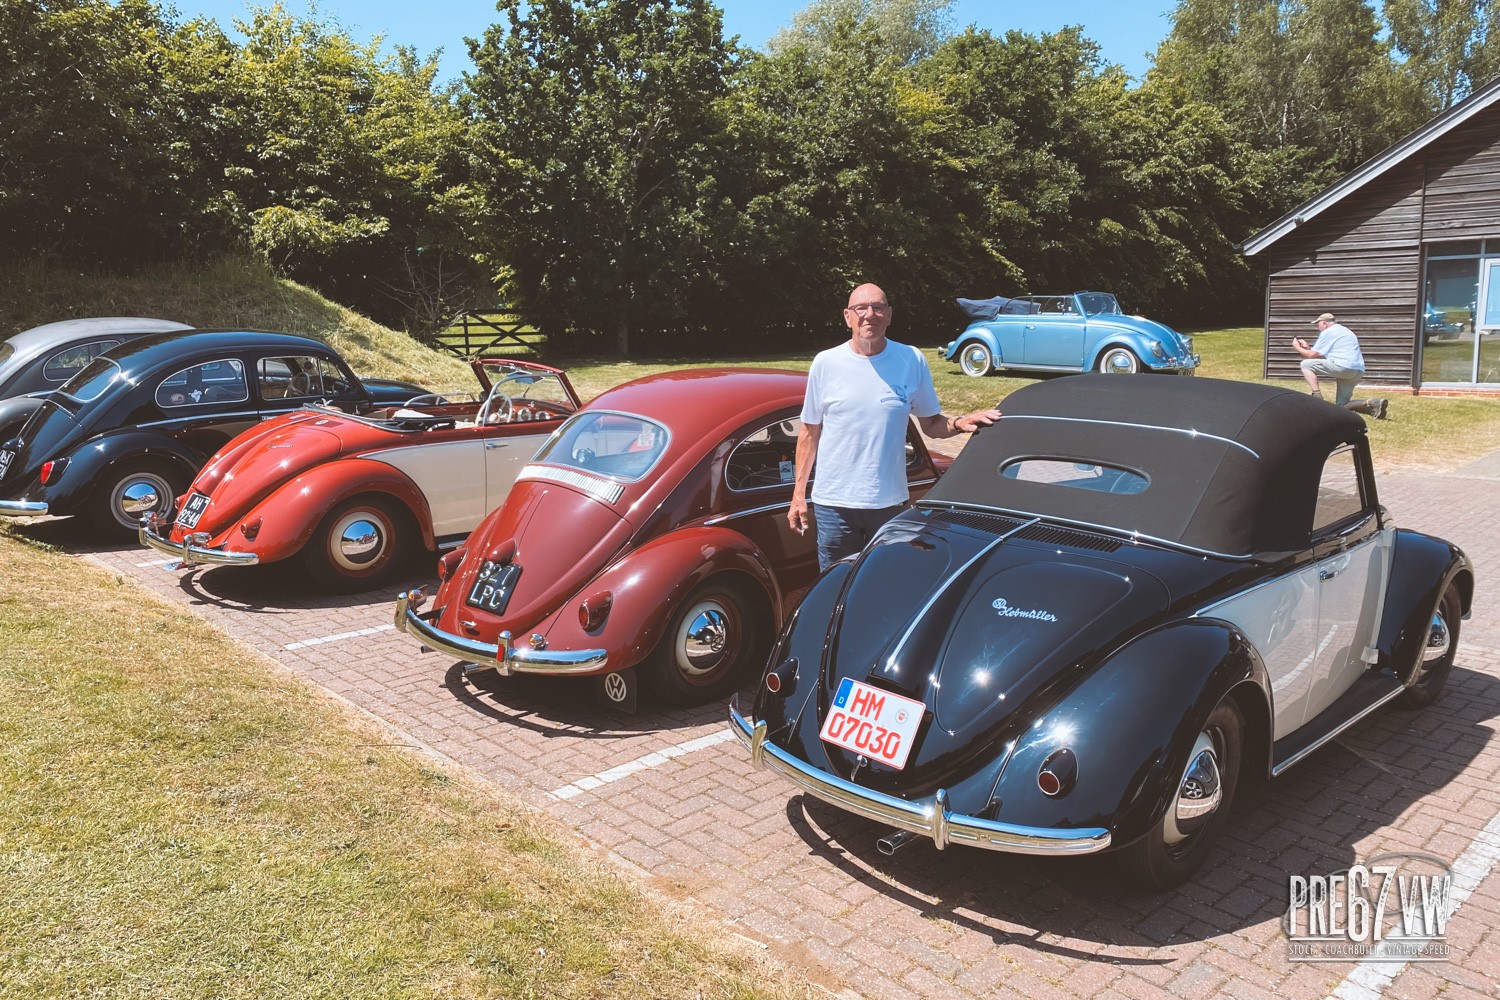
876	723
192	510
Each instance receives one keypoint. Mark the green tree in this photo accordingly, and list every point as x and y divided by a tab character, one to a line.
856	171
1311	83
83	135
1448	45
599	131
907	30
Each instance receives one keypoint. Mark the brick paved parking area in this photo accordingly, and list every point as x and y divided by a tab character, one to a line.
672	797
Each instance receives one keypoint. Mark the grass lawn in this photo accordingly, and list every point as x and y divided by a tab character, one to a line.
179	817
1422	432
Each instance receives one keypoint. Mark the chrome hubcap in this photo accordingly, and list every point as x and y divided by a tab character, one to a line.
1117	363
358	540
140	496
703	644
975	358
1198	793
1439	643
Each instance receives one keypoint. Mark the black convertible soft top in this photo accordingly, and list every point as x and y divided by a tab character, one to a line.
1233	467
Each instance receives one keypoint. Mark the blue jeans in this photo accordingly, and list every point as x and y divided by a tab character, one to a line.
843	531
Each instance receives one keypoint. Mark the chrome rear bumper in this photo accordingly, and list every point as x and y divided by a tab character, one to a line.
929	817
23	508
189	553
502	657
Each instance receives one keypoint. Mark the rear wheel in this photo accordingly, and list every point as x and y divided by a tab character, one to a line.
1119	361
1181	839
714	636
1435	659
355	547
975	359
130	491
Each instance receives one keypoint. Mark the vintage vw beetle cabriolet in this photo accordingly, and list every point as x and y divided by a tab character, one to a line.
352	492
650	531
1121	597
1085	331
126	434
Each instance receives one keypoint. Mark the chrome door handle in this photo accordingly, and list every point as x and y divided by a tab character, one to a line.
495	444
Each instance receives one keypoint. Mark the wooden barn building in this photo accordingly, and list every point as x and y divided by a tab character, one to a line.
1405	250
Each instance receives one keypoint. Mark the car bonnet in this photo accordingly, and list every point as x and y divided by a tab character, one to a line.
560	536
259	461
983	623
51	432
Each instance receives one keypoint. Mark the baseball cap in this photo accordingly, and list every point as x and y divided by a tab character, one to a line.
1325	318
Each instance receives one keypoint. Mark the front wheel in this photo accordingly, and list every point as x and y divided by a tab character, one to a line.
975	359
355	547
130	491
1178	842
1435	659
714	636
1119	361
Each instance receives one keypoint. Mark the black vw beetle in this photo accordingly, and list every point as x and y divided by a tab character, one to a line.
35	362
1122	596
125	435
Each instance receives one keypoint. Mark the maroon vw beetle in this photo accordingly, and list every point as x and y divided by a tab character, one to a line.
650	531
349	494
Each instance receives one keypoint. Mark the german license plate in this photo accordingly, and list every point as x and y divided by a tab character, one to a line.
869	721
493	587
5	459
192	510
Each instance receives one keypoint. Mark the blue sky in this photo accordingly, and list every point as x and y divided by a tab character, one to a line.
1126	30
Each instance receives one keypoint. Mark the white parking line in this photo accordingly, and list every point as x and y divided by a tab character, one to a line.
337	638
1370	978
647	762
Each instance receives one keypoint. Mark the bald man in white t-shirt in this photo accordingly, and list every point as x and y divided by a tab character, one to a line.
859	396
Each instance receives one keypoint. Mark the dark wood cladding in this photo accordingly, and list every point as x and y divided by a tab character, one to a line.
1462	199
1361	258
1361	261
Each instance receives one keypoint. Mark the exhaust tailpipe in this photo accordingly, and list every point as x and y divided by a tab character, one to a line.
894	841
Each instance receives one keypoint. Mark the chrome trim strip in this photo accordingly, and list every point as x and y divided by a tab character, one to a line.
607	490
194	555
23	508
1129	537
506	660
942	588
1148	427
720	519
1300	754
929	817
747	513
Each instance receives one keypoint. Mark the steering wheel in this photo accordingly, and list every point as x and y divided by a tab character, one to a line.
427	399
496	409
301	384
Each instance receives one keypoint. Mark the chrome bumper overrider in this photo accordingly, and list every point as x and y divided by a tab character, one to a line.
23	508
189	552
503	658
929	817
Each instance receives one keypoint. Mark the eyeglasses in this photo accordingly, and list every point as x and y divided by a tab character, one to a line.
865	308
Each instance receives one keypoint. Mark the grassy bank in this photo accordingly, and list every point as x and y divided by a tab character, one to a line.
181	818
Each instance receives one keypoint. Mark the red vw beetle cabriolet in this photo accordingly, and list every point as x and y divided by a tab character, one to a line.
650	531
349	492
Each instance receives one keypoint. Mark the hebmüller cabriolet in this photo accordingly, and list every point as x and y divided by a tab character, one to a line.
1123	596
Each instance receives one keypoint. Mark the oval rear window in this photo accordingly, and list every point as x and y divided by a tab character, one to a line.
1076	475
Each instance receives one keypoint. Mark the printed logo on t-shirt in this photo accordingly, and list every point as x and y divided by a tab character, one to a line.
897	394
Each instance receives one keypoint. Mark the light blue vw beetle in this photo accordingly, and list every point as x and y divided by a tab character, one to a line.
1081	332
